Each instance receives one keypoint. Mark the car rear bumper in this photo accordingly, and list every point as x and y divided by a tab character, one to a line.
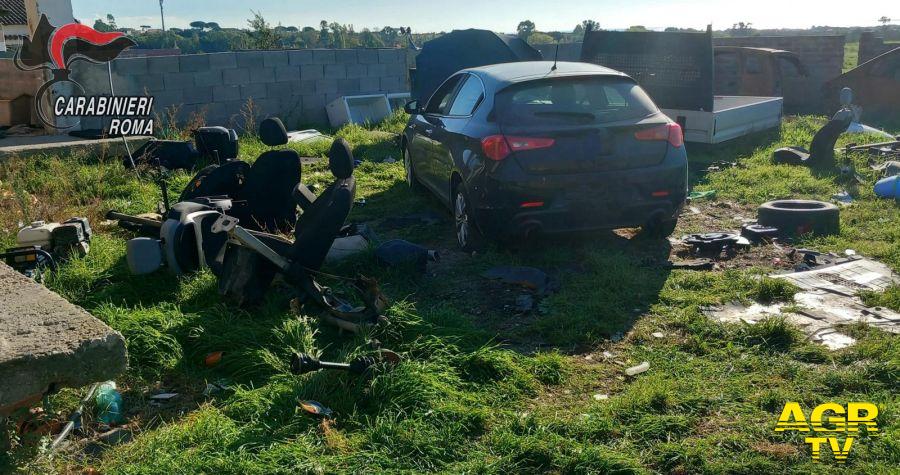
584	202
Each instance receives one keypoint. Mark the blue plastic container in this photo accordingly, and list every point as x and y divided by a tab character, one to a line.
888	188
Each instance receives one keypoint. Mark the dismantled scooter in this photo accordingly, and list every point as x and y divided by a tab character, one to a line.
209	230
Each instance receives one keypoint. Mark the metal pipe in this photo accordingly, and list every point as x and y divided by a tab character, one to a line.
74	418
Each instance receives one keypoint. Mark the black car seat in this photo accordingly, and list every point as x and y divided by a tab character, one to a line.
270	183
323	218
217	180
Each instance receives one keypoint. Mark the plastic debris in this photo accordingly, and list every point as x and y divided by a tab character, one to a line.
636	370
213	359
162	398
702	195
658	335
109	404
315	408
843	198
601	397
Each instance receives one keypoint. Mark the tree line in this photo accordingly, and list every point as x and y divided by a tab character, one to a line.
209	37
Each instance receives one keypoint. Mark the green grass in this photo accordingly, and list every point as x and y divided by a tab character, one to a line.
481	389
851	55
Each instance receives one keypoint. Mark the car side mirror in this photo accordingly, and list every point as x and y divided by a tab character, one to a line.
411	107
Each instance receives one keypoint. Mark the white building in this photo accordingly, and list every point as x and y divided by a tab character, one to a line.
13	23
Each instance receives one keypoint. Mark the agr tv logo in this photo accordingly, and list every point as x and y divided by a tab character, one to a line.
830	419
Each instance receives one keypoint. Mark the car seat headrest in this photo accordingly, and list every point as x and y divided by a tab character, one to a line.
340	159
272	132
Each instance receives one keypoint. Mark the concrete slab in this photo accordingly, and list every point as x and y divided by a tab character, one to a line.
45	342
25	146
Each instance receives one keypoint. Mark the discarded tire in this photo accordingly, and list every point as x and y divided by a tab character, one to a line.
799	217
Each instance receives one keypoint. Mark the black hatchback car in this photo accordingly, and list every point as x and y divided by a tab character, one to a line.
521	148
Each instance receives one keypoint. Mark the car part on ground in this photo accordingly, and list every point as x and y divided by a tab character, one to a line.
714	243
799	217
528	277
879	150
42	245
302	363
168	154
399	253
821	149
757	233
216	144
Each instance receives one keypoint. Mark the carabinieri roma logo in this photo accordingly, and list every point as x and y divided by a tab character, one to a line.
56	49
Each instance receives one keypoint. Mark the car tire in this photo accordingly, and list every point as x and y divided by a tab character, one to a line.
468	237
799	217
659	228
411	179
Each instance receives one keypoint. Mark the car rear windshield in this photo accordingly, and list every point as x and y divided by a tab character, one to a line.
573	100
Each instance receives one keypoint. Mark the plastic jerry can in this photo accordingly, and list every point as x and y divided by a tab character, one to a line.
37	233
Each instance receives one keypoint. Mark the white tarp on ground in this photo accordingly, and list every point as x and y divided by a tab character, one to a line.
828	298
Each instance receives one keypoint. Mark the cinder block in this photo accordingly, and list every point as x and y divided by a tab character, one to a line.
356	70
163	64
198	95
211	77
277	90
391	84
249	59
312	72
305	87
193	62
314	115
326	86
287	73
222	60
178	80
346	56
272	59
226	93
388	55
323	56
348	86
169	97
314	101
369	84
335	71
367	56
262	75
377	70
253	91
300	57
152	82
396	69
236	76
135	66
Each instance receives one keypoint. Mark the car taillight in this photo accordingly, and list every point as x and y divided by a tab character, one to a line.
668	132
498	147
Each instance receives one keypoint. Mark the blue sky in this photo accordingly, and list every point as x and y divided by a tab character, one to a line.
497	15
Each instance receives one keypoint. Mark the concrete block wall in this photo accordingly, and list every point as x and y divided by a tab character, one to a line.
871	46
822	55
292	84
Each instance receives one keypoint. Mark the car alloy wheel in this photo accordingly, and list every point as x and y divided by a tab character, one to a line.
462	221
468	237
407	165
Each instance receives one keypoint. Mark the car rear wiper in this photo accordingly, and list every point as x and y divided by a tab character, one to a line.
572	114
